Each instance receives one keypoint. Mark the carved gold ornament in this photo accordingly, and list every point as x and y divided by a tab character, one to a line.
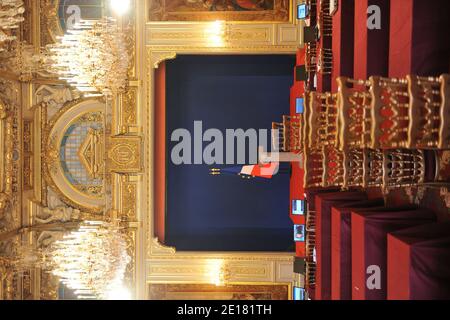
125	154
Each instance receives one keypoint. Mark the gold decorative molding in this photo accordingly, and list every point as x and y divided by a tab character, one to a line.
158	249
156	57
49	24
128	195
48	286
130	272
238	256
91	153
129	109
165	264
125	154
224	36
219	270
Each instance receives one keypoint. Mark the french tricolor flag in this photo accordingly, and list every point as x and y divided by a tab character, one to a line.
261	170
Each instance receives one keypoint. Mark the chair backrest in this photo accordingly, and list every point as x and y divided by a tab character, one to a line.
325	61
322	118
444	130
424	112
325	23
333	167
363	168
389	113
313	167
311	57
293	129
354	104
353	168
287	135
310	222
310	273
279	138
323	167
373	168
403	168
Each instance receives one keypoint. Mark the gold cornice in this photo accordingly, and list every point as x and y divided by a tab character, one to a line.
157	57
169	253
232	49
157	249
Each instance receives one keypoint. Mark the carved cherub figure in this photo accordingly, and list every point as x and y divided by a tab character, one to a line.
55	96
61	214
46	238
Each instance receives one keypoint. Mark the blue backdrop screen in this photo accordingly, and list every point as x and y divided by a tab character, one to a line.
226	213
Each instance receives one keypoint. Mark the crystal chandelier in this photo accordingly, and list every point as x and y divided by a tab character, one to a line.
92	57
11	15
91	260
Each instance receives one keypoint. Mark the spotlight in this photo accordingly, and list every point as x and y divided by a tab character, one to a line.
120	7
119	293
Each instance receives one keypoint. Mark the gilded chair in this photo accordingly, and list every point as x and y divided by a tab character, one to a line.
287	136
444	129
389	113
311	57
322	118
424	112
325	22
403	168
292	128
305	129
363	168
354	105
313	167
325	61
280	139
310	273
324	7
373	168
353	168
310	243
310	221
333	167
323	167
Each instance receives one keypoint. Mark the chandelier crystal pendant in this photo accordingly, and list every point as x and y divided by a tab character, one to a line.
92	57
91	260
11	15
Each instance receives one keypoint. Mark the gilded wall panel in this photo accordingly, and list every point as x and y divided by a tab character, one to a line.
223	36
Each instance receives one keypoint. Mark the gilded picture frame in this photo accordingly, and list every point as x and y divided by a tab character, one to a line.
227	10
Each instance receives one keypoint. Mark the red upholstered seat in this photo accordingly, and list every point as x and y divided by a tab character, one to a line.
323	205
341	256
369	245
311	194
419	263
